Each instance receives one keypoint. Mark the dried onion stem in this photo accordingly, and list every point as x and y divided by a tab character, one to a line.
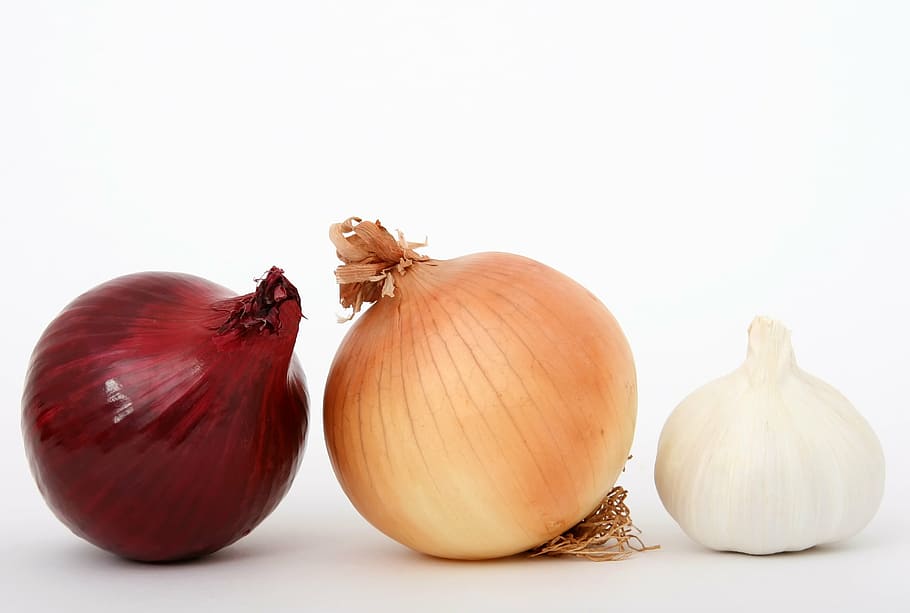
369	254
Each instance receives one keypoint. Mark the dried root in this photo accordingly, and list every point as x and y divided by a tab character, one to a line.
607	534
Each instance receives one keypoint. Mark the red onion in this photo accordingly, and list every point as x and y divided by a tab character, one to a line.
164	417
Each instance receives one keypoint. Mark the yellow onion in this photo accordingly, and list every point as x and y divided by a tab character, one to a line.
482	406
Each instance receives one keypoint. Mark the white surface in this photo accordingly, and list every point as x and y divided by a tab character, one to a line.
691	163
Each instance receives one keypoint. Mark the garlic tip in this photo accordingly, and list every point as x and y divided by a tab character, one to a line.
769	345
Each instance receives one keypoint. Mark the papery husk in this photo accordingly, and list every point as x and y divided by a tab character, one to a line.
369	255
607	534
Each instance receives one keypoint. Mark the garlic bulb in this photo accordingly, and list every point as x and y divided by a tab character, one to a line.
769	458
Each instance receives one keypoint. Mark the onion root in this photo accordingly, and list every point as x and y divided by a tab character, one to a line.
606	535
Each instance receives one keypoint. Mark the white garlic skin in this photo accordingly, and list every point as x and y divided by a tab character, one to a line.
769	458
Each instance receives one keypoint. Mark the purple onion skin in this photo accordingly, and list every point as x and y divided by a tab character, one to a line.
164	417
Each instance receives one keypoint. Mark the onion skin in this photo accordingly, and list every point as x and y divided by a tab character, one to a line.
486	407
164	417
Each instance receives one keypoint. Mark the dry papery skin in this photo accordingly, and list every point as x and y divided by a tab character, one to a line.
372	261
369	255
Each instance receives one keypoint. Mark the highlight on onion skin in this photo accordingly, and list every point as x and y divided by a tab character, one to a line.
485	407
163	416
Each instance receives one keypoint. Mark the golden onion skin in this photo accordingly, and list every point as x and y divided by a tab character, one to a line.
486	407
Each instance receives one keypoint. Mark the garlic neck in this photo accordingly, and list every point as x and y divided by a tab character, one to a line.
770	352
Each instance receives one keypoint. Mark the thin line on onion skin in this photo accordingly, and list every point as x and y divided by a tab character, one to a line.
206	487
506	408
356	382
355	378
352	377
518	337
493	433
593	358
419	362
468	439
607	394
385	385
139	469
378	410
592	415
442	379
335	434
363	451
504	278
404	397
343	447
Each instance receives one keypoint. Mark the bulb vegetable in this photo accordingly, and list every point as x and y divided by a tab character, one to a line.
482	406
164	417
769	458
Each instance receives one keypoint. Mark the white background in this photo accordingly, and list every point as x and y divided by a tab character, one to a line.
692	163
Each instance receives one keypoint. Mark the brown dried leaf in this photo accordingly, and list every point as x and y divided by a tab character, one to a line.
369	255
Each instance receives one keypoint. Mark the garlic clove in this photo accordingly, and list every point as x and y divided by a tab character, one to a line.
769	458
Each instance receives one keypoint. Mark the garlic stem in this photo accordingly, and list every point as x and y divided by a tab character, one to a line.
770	352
